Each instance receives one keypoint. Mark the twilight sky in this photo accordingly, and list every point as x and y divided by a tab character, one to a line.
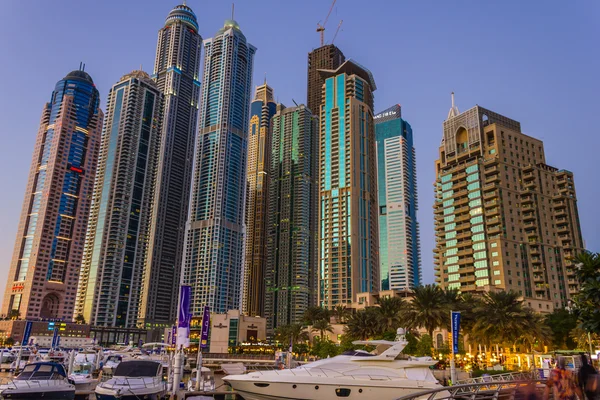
533	61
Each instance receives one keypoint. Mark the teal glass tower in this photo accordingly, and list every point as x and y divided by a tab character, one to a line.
349	259
291	273
214	244
399	249
116	244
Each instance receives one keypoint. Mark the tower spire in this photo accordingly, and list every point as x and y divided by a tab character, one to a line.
265	78
453	109
232	11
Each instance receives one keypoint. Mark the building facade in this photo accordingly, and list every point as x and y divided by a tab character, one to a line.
42	280
504	219
399	247
349	247
325	57
291	273
214	246
176	71
262	110
118	236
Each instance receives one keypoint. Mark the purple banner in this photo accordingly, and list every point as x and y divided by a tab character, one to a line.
184	317
205	328
173	336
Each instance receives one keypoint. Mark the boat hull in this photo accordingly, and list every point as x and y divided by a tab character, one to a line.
322	391
54	395
155	396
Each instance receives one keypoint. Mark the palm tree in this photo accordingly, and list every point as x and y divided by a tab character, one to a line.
587	270
322	326
313	314
14	314
428	309
341	313
365	324
79	319
293	333
501	318
390	310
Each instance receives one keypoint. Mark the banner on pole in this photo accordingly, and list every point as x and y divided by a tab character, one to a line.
27	333
455	330
55	338
184	317
205	328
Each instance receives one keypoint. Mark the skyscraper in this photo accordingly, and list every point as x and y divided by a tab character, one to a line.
116	244
291	273
325	57
349	247
214	246
42	280
176	71
259	156
399	249
504	218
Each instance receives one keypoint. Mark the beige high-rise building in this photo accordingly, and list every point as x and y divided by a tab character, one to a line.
505	220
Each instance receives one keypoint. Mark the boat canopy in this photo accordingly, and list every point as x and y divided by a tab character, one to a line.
138	369
42	371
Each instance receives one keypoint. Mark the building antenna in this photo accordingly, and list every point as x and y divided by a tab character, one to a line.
295	103
265	78
452	99
232	10
185	3
80	65
83	67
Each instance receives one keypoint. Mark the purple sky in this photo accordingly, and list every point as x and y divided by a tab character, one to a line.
533	61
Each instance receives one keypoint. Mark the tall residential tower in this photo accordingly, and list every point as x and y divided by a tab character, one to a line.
42	281
399	249
349	246
176	72
325	57
504	218
118	235
291	273
259	156
214	242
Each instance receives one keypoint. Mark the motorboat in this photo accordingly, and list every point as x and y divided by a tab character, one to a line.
38	380
356	374
7	358
111	362
207	380
134	380
82	375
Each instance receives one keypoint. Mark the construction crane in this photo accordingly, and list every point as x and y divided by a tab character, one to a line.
337	30
321	28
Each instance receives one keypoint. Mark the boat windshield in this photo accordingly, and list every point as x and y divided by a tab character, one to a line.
40	372
84	368
357	353
138	369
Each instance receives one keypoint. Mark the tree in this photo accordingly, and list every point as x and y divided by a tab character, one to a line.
424	346
561	322
313	314
365	324
322	326
14	314
428	309
501	318
79	319
341	313
587	300
324	348
582	339
293	333
390	310
9	341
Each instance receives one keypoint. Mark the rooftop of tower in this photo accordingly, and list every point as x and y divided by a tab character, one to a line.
351	67
182	13
229	24
79	75
139	74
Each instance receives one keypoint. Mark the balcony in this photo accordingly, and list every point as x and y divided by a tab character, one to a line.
493	211
561	212
562	228
491	170
490	195
528	168
493	221
489	186
494	229
534	251
530	224
538	278
465	261
491	203
492	179
536	260
467	278
467	270
527	199
491	161
529	216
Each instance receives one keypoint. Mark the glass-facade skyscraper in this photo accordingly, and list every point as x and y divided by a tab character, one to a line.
116	244
259	156
349	247
399	249
42	281
176	70
214	244
291	271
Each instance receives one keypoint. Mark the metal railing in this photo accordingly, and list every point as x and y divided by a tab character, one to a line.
132	383
497	390
507	377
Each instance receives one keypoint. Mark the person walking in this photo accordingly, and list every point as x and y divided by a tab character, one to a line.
588	379
564	383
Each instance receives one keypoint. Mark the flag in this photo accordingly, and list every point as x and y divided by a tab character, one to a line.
183	321
455	330
205	328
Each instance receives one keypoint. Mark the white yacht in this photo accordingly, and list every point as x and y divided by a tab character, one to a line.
111	362
134	380
39	380
353	375
82	373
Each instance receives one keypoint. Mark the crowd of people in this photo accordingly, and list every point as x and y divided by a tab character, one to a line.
567	385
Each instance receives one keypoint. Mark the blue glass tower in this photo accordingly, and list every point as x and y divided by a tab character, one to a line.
214	246
399	250
42	282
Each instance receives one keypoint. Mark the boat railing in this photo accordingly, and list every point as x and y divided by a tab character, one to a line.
127	382
329	373
496	390
507	377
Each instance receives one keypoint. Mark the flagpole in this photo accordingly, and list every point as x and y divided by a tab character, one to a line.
452	362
